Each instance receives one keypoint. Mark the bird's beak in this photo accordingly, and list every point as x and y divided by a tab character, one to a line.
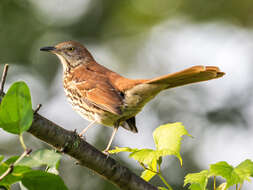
48	48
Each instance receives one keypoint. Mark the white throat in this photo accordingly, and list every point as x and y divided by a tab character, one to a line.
63	62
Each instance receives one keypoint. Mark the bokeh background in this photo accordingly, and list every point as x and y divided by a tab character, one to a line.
140	39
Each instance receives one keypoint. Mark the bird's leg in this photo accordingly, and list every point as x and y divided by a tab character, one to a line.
115	129
83	131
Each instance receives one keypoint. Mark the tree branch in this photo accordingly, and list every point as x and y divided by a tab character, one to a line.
70	143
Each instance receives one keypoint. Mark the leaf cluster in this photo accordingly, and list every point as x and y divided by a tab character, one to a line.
31	179
167	139
16	117
232	175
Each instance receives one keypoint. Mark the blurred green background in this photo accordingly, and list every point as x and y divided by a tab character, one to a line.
140	39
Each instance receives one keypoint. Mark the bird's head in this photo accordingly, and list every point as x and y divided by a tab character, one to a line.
70	53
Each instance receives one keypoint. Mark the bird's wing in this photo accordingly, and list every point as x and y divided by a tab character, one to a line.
97	89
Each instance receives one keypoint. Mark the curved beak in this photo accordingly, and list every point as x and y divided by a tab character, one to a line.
48	48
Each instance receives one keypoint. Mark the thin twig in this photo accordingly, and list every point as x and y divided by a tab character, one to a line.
240	187
11	167
8	171
37	109
3	79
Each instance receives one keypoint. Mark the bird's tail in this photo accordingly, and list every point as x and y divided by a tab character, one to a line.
187	76
145	90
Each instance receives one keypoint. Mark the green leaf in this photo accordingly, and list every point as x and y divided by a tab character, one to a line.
123	149
226	171
11	160
15	176
233	175
1	158
40	180
148	157
244	170
168	139
16	112
145	156
198	181
147	174
41	157
17	173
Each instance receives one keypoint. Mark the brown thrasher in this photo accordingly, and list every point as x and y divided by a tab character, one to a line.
103	96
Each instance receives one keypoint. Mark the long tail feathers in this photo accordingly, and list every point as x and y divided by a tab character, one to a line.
187	76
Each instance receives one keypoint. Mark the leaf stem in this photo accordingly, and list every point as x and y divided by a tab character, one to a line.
11	167
164	181
4	75
146	168
22	141
236	186
214	182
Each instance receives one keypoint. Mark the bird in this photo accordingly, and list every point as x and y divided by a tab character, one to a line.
103	96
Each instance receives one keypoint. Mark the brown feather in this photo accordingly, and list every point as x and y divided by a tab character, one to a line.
187	76
96	88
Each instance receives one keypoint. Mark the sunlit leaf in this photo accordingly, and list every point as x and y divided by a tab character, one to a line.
168	139
144	156
40	180
123	149
149	173
245	170
226	171
198	181
16	112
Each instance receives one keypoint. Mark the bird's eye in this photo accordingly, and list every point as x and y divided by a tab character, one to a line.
70	49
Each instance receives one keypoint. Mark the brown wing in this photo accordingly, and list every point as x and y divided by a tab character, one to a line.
96	88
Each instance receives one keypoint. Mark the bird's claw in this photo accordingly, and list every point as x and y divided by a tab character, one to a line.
106	152
81	136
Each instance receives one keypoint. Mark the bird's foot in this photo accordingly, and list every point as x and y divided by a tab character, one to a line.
106	152
81	136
